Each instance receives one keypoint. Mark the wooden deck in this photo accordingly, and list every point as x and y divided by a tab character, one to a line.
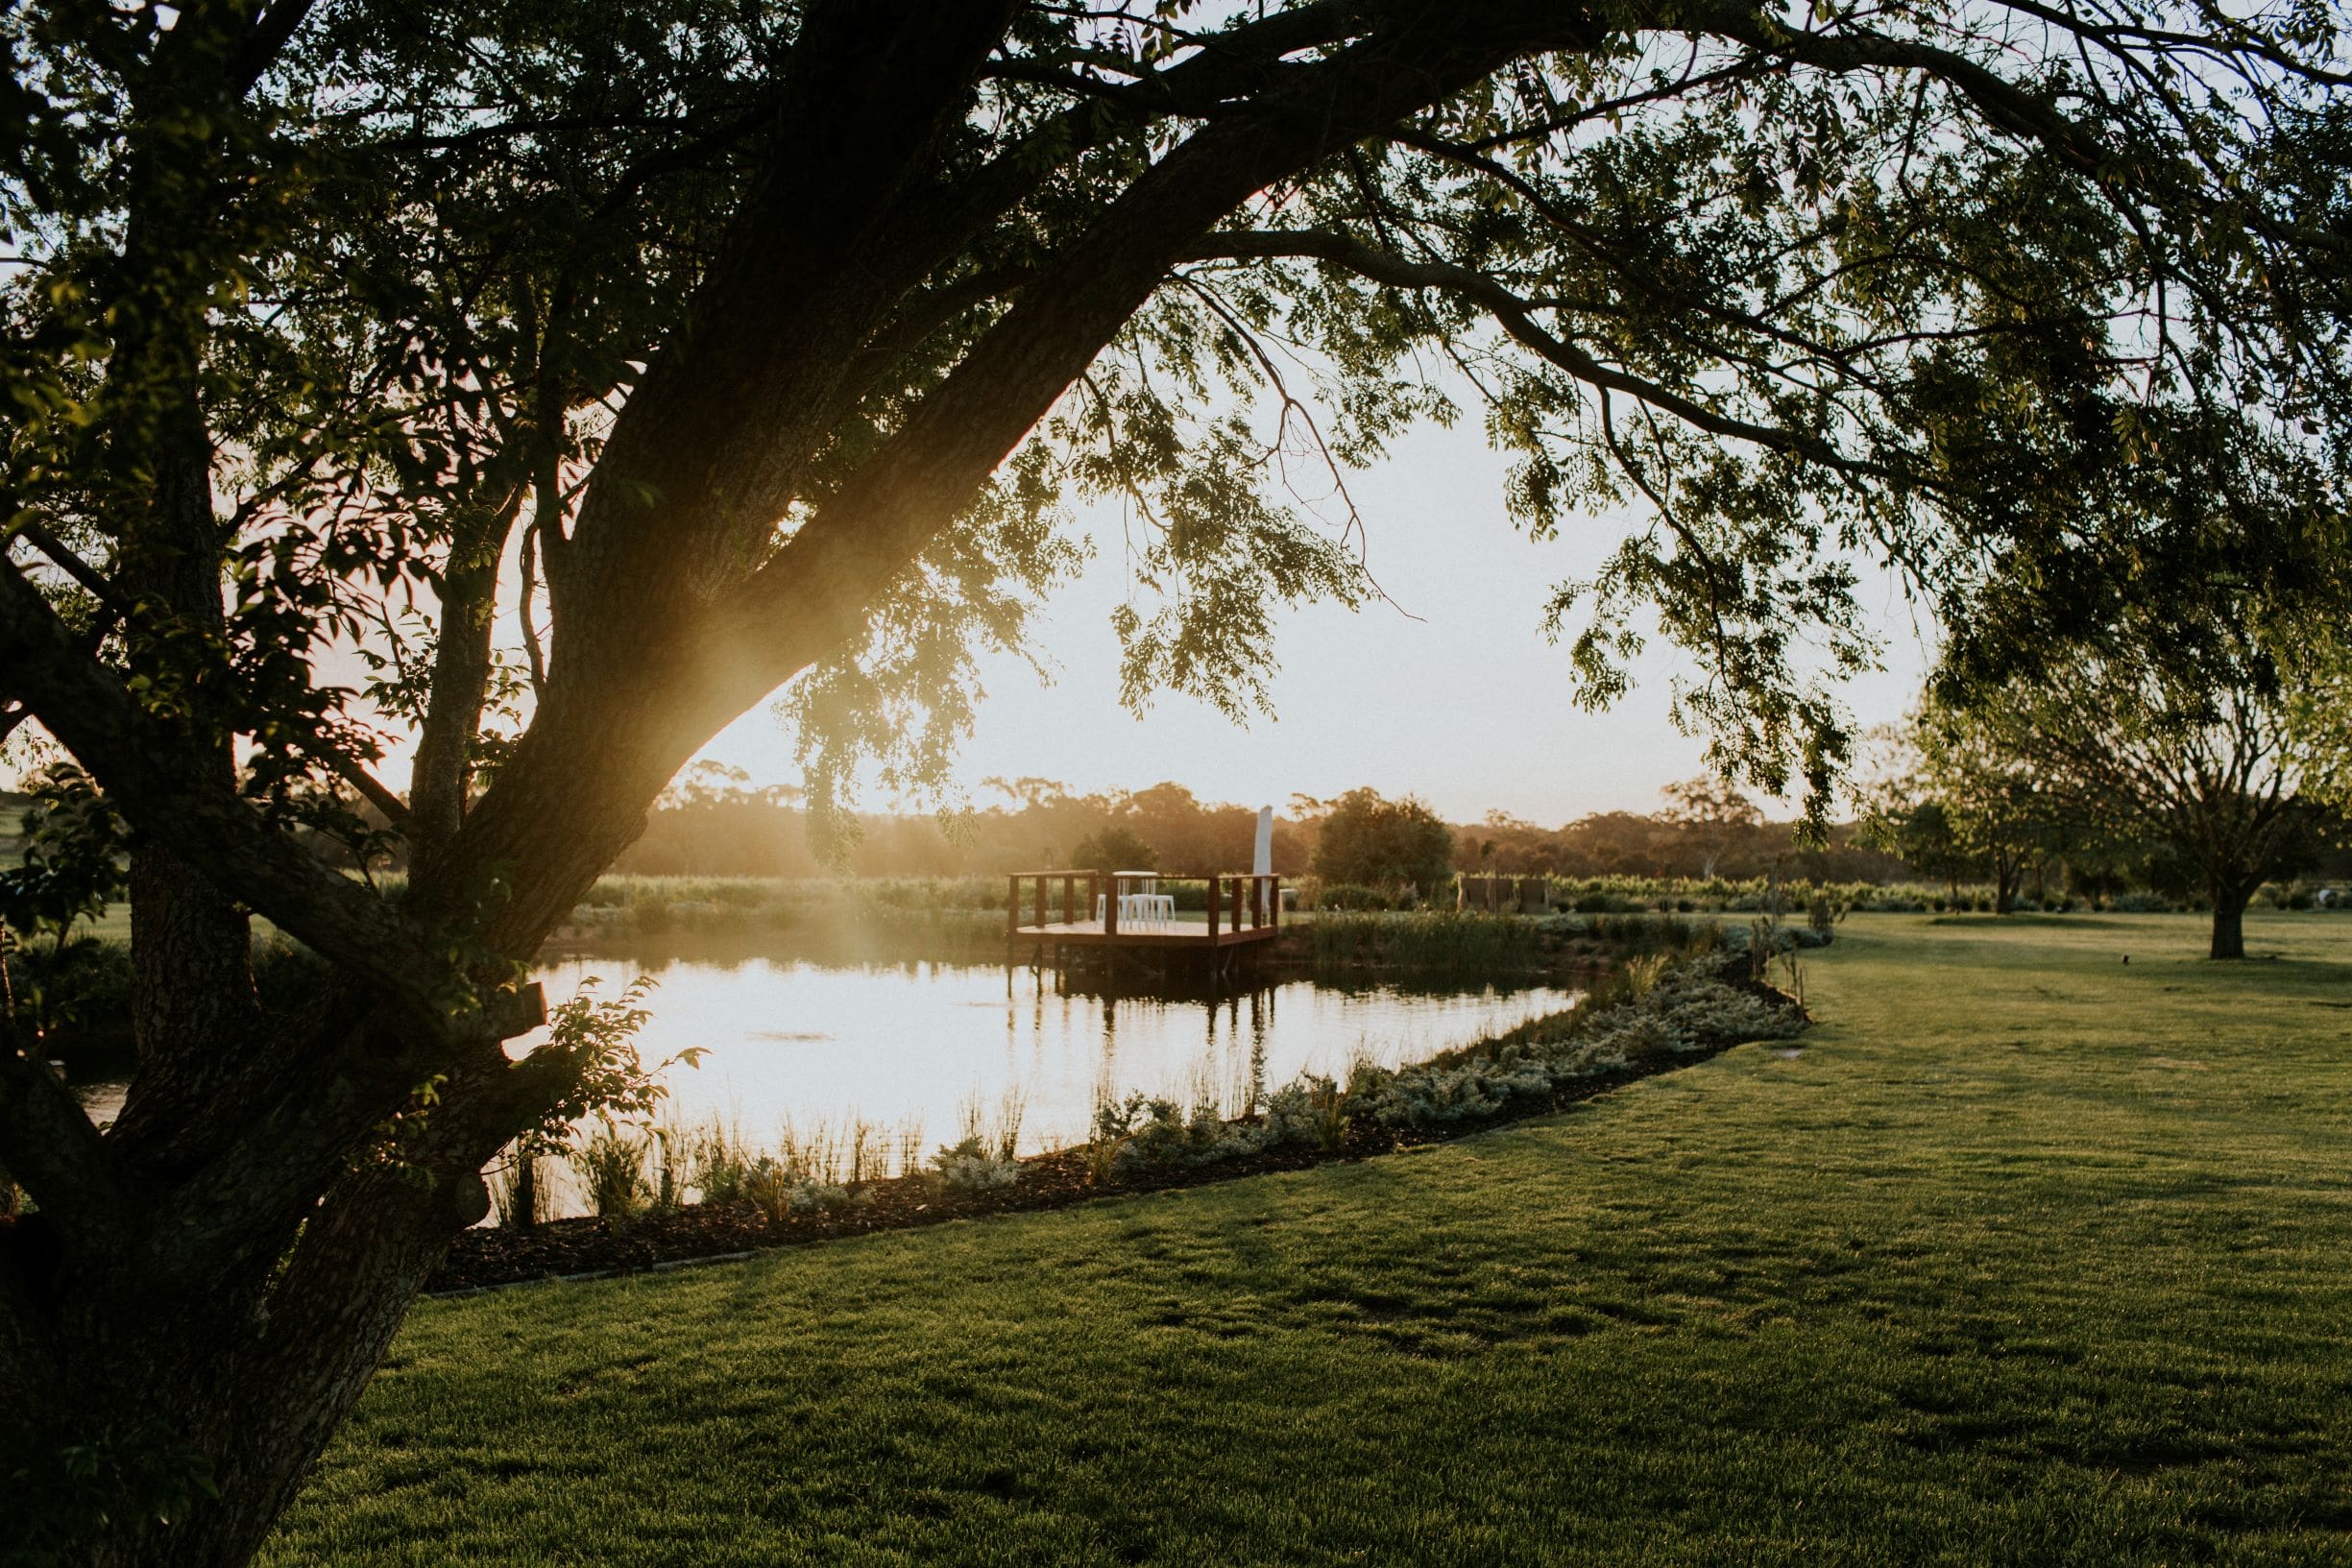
1048	907
1165	934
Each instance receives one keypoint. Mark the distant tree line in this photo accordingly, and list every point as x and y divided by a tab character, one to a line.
712	823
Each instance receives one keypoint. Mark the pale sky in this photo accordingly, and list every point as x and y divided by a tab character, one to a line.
1466	707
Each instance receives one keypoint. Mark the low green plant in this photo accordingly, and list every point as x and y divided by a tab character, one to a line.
610	1163
971	1165
718	1162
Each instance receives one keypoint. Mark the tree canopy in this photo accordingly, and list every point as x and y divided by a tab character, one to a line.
1368	841
589	373
2114	741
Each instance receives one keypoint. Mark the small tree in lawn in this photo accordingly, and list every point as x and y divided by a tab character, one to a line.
2193	749
1976	800
1924	837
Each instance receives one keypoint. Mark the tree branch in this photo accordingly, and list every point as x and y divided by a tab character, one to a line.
144	774
1513	314
49	1147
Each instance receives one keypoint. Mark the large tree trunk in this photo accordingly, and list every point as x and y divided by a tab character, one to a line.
205	1405
2229	904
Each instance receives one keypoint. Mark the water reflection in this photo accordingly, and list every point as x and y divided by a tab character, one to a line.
807	1041
788	1037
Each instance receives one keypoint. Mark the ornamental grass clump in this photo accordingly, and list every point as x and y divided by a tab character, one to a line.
520	1194
1441	942
718	1162
779	1192
611	1167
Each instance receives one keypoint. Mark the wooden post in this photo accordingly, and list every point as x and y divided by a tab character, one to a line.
1275	893
1041	899
1013	906
1069	898
1216	896
1110	907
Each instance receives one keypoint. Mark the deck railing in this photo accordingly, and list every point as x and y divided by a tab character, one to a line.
1237	900
1256	900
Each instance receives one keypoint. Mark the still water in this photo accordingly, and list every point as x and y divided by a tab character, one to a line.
795	1039
814	1044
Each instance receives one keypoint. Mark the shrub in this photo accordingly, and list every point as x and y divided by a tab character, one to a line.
1309	1110
972	1166
1352	896
777	1192
1148	1133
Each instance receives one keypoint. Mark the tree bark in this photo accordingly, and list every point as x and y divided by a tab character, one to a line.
234	1369
192	945
2229	904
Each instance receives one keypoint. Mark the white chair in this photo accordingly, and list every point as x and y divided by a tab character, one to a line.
1144	903
1140	902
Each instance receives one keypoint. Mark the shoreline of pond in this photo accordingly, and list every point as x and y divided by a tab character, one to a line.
587	1247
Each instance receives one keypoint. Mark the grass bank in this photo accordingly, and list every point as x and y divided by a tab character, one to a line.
2027	1255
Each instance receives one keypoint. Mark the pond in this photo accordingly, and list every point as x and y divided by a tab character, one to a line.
912	1048
792	1038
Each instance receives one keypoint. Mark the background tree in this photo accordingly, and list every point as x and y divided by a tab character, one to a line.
2197	755
1922	833
2000	810
1368	840
1716	820
760	344
1113	849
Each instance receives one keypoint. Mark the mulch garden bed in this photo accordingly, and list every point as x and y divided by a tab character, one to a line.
489	1258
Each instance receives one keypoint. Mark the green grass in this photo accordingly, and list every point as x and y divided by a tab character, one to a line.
2027	1257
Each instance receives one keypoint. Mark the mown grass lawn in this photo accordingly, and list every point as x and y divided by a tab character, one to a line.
2029	1256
